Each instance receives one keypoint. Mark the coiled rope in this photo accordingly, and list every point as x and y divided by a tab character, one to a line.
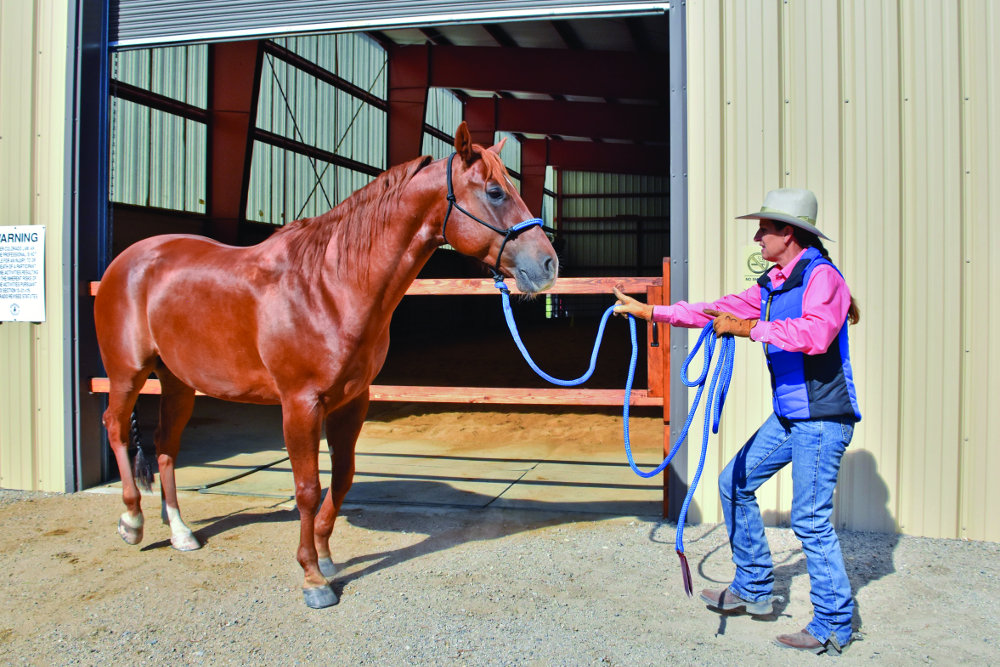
717	391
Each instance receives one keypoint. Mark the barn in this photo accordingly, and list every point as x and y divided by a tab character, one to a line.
637	130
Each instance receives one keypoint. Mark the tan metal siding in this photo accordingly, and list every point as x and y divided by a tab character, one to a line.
33	120
868	251
888	110
931	195
707	106
980	57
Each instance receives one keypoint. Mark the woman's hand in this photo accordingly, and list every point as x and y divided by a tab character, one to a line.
727	323
626	305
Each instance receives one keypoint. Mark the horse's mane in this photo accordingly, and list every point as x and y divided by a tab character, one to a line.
352	224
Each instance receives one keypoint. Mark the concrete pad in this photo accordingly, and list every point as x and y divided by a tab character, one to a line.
424	491
513	452
212	472
605	489
403	481
238	449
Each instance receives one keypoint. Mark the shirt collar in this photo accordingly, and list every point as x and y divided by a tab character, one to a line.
782	272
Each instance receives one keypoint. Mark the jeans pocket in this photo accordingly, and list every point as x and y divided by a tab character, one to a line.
847	432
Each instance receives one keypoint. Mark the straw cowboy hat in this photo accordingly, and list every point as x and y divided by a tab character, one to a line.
792	206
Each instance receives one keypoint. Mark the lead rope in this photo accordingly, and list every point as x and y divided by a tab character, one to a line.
717	391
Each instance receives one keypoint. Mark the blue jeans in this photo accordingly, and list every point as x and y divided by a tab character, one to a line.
814	449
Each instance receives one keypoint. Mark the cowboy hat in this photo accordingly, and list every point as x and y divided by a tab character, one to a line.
793	206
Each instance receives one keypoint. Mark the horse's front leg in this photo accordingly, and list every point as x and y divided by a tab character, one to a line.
301	421
342	429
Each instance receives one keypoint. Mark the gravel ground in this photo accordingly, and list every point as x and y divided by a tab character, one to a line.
432	586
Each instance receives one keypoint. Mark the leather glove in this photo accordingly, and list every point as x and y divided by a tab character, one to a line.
626	305
727	323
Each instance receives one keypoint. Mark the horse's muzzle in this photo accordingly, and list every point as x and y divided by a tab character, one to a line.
535	271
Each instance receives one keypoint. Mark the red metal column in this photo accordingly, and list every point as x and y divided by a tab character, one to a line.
534	158
481	117
232	114
408	83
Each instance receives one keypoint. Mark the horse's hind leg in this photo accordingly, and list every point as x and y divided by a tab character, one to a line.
176	405
342	429
117	421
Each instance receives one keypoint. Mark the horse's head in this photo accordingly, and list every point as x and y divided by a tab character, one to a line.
492	222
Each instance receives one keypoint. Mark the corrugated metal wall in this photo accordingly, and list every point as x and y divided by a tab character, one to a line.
285	186
626	232
34	138
890	111
444	112
158	159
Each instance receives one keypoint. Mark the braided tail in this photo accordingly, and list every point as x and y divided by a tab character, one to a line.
142	469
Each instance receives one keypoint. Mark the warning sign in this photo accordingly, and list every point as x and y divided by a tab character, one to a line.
754	265
22	274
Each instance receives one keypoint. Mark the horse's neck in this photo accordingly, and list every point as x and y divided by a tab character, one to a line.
403	245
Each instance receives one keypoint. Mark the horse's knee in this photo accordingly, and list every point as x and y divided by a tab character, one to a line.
307	496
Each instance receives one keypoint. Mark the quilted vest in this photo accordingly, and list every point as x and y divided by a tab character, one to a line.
807	386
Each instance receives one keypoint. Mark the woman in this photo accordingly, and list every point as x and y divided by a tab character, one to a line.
799	310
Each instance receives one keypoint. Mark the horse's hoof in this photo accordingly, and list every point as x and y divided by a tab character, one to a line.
186	542
327	568
320	597
129	534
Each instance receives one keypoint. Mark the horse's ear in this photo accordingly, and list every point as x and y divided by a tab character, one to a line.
498	146
463	142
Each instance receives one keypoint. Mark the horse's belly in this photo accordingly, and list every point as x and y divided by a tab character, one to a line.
222	373
210	345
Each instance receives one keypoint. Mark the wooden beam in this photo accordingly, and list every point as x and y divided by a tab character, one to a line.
510	396
499	395
484	286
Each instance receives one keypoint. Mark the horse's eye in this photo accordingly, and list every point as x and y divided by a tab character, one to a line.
495	193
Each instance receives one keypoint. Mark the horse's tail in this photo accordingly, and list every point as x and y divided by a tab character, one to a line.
142	469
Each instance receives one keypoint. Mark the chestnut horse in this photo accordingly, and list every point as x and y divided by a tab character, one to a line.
301	319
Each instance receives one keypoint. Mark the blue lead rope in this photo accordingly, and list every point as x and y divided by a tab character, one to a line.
717	391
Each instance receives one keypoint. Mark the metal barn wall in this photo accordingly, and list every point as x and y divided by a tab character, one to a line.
285	186
158	159
614	235
890	111
34	138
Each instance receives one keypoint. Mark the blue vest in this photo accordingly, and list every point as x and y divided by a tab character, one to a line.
807	386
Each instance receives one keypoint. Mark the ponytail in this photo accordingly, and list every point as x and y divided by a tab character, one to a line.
807	239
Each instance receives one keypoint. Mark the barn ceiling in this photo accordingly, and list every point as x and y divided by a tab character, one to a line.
587	86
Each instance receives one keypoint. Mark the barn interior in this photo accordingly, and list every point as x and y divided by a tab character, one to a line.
233	139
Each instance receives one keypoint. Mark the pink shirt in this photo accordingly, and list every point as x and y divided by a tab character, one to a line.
824	310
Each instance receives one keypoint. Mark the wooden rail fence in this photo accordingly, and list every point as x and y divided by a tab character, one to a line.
655	290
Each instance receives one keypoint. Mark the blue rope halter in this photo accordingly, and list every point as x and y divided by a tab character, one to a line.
717	391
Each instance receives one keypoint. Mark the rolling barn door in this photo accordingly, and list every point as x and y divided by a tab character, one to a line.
142	23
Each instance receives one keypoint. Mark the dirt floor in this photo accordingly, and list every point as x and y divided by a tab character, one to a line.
459	585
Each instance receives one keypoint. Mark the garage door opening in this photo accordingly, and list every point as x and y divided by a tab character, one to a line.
234	139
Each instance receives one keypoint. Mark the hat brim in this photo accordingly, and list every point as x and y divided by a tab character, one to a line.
787	219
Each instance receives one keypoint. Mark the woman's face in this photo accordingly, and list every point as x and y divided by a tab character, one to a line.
772	242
